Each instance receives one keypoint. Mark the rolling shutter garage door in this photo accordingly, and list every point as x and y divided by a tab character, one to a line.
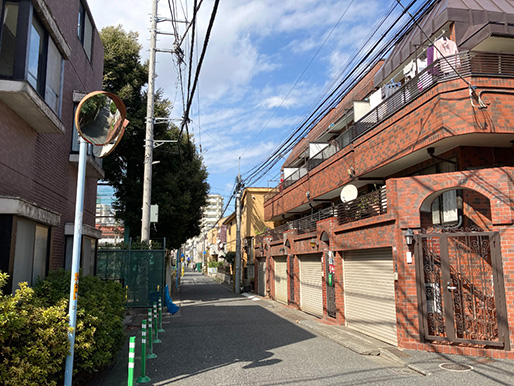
311	292
369	293
281	279
261	275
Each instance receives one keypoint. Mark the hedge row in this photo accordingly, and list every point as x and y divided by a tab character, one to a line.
34	325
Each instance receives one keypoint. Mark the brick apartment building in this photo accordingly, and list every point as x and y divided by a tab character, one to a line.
395	213
50	56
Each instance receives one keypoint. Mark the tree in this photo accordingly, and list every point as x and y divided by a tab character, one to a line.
179	181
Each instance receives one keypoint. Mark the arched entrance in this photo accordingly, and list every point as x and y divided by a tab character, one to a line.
460	284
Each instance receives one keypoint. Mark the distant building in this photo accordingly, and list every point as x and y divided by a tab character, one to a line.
212	212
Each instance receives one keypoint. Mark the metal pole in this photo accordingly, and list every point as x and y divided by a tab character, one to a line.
147	179
151	355
155	321
237	280
143	378
132	355
75	263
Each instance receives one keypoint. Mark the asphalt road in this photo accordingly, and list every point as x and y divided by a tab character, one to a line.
219	338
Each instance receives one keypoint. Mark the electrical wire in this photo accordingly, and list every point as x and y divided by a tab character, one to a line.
352	78
470	86
185	118
302	74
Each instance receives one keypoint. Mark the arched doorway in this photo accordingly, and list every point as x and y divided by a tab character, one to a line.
461	293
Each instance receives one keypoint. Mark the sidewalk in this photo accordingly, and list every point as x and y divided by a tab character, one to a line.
499	371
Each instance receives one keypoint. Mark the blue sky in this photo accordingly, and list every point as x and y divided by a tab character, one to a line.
258	50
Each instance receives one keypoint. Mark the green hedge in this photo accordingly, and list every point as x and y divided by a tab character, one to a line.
33	329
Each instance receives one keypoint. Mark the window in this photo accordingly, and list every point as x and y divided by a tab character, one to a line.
8	38
29	53
31	252
87	255
445	208
85	31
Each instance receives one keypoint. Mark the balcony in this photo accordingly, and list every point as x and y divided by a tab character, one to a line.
468	63
365	206
30	106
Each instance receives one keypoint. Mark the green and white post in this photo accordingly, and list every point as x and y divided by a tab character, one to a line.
155	322
160	315
151	355
143	378
132	354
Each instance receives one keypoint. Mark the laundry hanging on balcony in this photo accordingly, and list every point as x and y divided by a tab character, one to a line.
446	48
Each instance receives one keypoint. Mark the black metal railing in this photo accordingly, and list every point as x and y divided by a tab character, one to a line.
368	205
465	64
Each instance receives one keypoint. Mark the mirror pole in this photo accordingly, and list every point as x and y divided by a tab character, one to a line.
75	265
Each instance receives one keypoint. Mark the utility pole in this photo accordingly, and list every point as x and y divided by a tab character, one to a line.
149	145
237	280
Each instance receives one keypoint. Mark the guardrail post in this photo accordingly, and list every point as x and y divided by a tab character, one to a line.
155	321
132	354
151	355
143	378
160	315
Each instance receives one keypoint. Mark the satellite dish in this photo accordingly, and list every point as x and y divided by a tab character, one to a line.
100	118
349	193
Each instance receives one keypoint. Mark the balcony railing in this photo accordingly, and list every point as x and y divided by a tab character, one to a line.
302	225
368	205
468	63
365	206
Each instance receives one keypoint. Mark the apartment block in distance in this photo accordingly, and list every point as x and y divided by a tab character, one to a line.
396	212
50	57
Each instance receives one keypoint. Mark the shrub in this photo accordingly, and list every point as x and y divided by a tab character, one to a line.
33	338
213	264
100	312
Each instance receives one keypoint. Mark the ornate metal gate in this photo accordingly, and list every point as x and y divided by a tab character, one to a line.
461	294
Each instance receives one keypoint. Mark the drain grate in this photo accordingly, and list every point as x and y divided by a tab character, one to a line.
455	367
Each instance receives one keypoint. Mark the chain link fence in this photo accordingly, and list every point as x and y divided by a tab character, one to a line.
140	271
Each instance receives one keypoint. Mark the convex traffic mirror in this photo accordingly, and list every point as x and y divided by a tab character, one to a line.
100	120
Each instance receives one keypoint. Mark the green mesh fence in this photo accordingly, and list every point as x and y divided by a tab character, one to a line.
141	272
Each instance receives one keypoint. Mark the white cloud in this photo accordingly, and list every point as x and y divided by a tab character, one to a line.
257	50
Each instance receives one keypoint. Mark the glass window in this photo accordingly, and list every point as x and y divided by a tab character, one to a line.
31	253
36	50
53	76
8	38
40	253
85	30
445	209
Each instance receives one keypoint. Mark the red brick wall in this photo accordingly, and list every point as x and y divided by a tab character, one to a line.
406	196
36	166
442	112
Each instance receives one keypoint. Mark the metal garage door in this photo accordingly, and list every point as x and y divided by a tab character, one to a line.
281	279
311	292
261	275
369	293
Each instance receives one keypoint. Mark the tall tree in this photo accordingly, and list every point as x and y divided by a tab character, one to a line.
179	181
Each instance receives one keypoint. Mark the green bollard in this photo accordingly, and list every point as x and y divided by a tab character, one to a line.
143	378
132	354
160	316
151	355
155	322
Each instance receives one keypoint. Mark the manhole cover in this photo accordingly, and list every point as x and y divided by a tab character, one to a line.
455	367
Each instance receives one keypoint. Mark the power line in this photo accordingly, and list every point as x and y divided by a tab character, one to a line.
303	72
352	78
